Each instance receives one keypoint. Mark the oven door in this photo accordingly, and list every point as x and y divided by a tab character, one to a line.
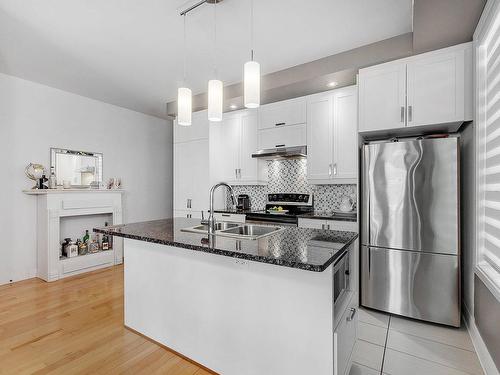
341	278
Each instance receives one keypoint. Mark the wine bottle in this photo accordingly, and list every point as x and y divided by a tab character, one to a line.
86	238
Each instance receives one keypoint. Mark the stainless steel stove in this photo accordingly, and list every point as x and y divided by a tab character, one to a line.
283	208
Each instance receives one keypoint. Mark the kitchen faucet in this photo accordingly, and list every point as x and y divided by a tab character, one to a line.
211	219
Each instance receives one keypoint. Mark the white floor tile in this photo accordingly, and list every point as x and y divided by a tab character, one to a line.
357	369
371	333
374	317
368	354
446	355
458	337
397	363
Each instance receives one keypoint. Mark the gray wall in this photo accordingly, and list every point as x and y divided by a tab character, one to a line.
487	316
477	298
443	23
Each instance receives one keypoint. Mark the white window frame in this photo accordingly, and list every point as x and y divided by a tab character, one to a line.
486	269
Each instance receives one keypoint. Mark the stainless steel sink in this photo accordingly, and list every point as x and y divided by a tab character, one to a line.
203	228
218	226
251	231
244	231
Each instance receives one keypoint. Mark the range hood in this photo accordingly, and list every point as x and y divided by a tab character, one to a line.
281	153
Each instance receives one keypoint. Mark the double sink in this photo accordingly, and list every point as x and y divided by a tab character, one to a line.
242	231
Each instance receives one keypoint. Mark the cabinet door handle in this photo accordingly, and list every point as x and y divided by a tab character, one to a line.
279	124
280	145
329	170
351	315
402	114
410	113
328	226
226	215
188	203
239	173
236	173
335	168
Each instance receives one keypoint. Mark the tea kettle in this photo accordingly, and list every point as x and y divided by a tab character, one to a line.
346	203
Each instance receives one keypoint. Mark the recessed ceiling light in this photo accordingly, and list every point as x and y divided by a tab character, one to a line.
233	106
332	84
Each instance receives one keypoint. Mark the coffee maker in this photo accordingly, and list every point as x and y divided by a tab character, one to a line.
243	202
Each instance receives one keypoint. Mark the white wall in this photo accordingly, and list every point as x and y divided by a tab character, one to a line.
33	118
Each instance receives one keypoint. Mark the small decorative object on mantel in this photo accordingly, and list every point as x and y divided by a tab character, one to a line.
36	172
52	179
114	183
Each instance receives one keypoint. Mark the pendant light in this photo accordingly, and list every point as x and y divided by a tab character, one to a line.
184	95
251	73
215	86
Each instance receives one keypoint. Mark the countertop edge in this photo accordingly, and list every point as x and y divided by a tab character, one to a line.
233	254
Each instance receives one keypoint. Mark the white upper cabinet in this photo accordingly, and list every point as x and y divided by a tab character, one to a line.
191	176
191	166
382	97
197	130
284	113
428	89
435	88
332	139
248	166
345	135
283	136
319	136
232	143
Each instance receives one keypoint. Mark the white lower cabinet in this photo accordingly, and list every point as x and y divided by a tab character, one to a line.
348	226
345	336
332	139
194	214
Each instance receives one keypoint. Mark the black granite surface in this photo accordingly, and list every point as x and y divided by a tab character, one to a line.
303	248
330	215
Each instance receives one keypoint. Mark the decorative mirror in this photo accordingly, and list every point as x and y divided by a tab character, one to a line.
82	169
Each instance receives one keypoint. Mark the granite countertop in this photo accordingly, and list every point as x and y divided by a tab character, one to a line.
308	249
330	215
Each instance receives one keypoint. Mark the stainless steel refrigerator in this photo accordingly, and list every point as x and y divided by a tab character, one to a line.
410	236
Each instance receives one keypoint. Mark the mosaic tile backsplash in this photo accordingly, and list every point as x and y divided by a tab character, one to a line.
290	176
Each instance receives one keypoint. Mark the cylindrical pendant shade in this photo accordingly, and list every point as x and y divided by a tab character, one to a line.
184	106
251	81
215	95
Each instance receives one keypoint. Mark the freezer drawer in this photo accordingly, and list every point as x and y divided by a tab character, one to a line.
414	284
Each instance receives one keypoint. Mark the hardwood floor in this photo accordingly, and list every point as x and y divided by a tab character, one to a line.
75	326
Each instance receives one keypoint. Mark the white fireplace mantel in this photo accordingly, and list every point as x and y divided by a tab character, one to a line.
52	205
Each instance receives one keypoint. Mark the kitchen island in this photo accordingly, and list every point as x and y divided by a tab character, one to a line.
235	306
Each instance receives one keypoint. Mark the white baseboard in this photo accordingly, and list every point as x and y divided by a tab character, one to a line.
483	354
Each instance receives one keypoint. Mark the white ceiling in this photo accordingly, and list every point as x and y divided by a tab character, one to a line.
129	52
